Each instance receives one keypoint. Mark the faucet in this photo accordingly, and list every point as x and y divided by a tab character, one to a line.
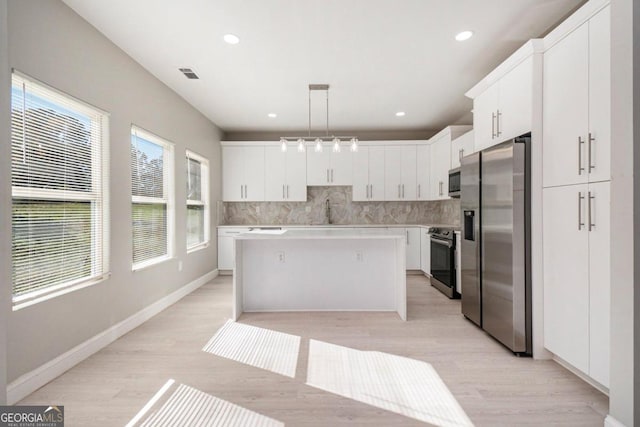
328	211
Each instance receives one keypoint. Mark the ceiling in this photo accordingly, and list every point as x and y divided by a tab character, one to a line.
379	56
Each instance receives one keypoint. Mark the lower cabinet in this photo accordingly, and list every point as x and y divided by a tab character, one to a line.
413	248
576	245
425	251
226	257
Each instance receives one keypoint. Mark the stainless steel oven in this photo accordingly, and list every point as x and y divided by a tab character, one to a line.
443	256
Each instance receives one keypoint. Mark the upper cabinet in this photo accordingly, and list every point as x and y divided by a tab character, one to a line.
285	175
576	105
440	160
328	167
243	173
368	174
460	147
400	172
423	172
503	101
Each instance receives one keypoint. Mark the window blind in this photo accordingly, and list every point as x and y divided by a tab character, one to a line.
59	176
151	197
197	200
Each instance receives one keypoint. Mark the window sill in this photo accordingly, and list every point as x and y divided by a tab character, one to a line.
63	291
198	247
150	263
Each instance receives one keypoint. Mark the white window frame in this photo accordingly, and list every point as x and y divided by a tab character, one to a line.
98	197
204	201
168	182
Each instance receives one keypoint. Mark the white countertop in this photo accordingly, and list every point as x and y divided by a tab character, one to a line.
359	233
324	226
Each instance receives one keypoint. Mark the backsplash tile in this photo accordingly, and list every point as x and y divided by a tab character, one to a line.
344	211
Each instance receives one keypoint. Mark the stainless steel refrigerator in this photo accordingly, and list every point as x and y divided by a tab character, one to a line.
496	270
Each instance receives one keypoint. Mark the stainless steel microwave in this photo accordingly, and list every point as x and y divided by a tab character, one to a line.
454	182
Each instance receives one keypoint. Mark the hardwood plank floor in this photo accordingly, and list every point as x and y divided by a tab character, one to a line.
494	387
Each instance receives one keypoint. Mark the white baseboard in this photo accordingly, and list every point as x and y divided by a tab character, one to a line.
609	421
31	381
584	377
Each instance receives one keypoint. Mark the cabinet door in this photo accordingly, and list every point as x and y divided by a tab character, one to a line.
425	251
225	253
413	248
456	152
254	174
408	172
515	101
485	107
376	173
275	174
392	173
341	167
361	174
296	183
599	281
318	164
440	161
566	274
232	174
566	110
599	152
423	172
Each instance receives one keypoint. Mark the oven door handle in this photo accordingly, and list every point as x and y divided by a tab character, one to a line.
442	242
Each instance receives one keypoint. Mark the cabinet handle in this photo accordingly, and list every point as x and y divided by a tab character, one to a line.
371	191
418	191
328	175
580	198
287	191
493	125
403	191
283	191
461	154
580	168
245	191
332	175
440	188
591	224
498	131
398	191
241	192
407	231
591	140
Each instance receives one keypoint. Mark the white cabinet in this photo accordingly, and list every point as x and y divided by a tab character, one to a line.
460	147
576	105
504	110
423	172
400	172
440	162
425	251
285	175
242	173
226	257
368	174
576	245
413	248
329	168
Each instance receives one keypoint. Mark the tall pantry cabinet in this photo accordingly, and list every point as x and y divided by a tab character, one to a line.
576	211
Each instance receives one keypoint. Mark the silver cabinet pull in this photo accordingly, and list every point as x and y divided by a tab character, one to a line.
580	168
367	191
461	154
498	131
418	191
440	188
371	191
493	125
591	140
283	191
591	224
580	198
403	191
331	175
398	191
407	231
287	191
246	193
241	193
328	175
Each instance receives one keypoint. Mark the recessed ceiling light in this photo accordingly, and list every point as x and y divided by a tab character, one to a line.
231	38
464	35
272	115
400	113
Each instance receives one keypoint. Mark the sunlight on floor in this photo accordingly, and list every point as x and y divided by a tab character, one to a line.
188	406
397	384
263	348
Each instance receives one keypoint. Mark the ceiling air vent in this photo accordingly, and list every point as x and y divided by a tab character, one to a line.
188	72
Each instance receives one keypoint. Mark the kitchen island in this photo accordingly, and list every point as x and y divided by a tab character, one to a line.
320	270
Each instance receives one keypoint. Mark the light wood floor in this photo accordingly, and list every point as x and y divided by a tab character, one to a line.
494	387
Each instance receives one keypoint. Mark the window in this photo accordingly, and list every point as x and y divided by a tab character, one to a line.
151	198
197	201
59	177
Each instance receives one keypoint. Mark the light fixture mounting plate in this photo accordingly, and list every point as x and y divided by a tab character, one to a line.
318	87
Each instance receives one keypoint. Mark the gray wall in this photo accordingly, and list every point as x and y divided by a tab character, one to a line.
5	196
49	42
625	223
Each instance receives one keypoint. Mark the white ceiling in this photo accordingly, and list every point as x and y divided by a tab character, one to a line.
379	56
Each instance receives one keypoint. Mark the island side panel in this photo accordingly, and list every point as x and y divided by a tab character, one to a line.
320	274
401	278
237	279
